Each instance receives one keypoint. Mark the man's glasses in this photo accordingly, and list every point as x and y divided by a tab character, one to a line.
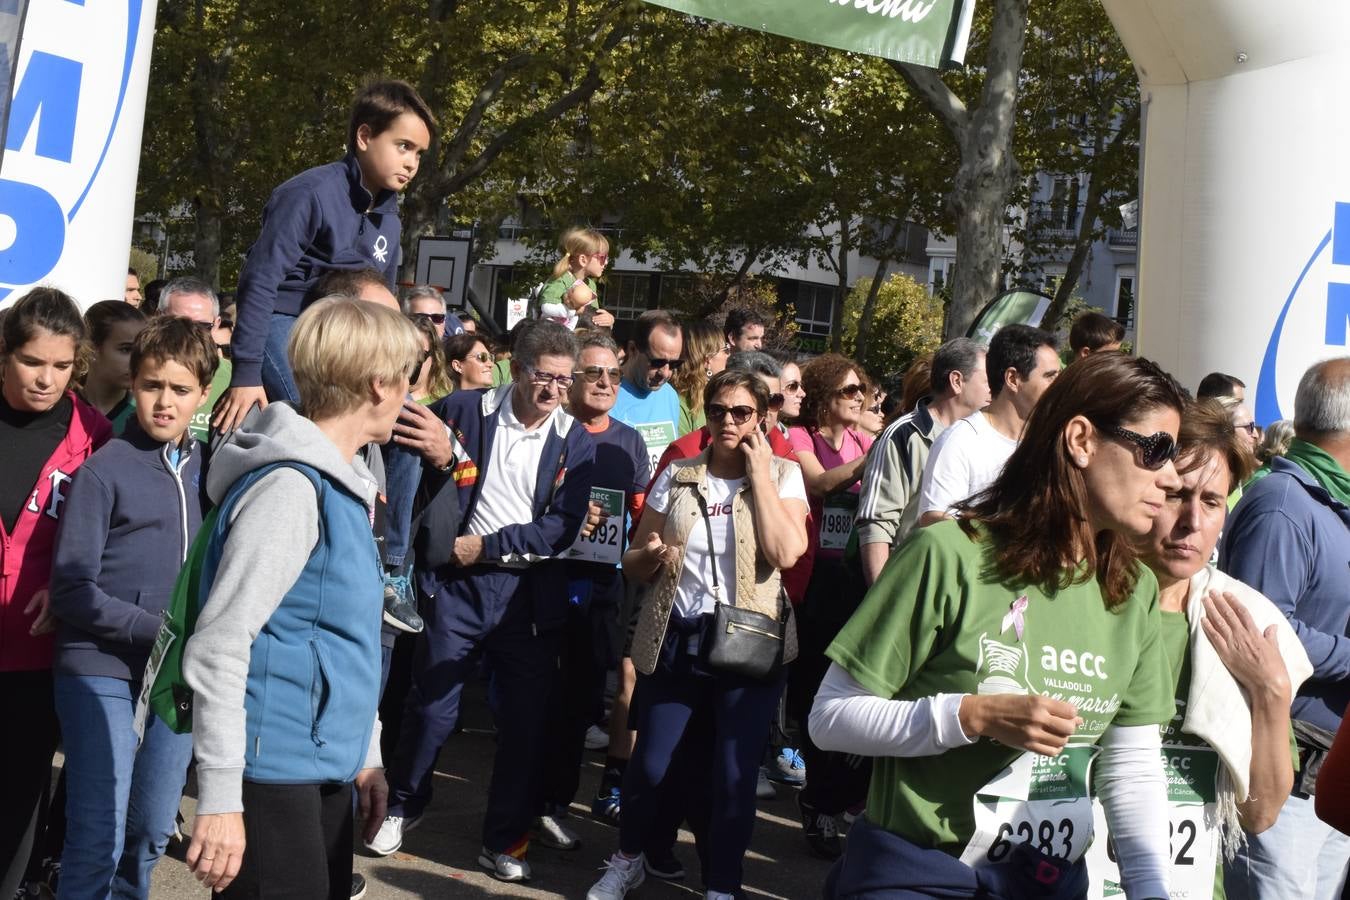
850	391
1155	450
592	374
776	401
739	414
436	318
206	327
542	378
1249	427
654	363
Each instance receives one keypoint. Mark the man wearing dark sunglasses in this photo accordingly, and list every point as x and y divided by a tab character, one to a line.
968	456
520	469
426	301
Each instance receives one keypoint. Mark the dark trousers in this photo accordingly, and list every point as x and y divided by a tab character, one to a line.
584	651
299	843
719	725
27	707
834	781
486	612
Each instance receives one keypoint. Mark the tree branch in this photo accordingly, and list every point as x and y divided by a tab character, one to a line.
944	103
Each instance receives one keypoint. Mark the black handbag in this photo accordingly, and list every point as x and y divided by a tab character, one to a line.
741	641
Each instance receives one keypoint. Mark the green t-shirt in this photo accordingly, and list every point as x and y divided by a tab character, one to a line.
934	623
553	291
501	372
200	426
691	418
121	414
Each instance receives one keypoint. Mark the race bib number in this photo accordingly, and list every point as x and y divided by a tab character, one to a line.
605	544
1194	847
836	520
1038	800
657	436
163	641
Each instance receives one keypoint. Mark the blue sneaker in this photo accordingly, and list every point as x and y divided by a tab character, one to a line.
789	768
399	609
605	807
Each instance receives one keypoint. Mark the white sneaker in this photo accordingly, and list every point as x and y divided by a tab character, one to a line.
621	876
390	836
597	738
504	866
552	833
764	788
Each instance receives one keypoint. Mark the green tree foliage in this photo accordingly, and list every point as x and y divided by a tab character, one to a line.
906	323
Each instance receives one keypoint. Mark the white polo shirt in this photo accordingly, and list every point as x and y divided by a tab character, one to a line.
507	495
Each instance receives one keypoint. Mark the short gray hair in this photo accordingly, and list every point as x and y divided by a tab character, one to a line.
597	339
957	355
420	292
756	362
1322	403
544	339
188	285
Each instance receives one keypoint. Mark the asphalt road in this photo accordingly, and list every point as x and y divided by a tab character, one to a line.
438	858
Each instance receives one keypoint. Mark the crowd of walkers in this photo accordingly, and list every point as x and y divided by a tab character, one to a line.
1034	624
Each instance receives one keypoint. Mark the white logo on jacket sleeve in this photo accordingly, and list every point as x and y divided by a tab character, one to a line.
381	249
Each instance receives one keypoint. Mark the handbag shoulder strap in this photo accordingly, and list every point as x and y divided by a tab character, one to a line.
712	547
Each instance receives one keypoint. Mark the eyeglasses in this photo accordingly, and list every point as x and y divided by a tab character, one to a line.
1156	450
592	374
792	387
850	390
207	327
654	362
437	318
481	356
739	414
603	257
543	378
1249	427
776	401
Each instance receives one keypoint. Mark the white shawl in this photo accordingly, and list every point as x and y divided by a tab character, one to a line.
1217	711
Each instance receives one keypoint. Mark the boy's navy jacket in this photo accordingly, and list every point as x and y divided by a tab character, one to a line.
561	496
130	518
320	220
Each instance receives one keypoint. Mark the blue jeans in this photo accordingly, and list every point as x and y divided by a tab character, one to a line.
121	801
402	473
276	367
1300	857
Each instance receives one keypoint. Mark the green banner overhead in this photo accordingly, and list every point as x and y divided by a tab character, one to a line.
1022	307
926	32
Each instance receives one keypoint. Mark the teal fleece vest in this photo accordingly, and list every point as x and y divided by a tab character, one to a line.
314	670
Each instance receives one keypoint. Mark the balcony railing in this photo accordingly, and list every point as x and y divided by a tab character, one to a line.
1119	237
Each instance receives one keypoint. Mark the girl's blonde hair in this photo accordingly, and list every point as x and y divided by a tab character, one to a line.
574	243
702	339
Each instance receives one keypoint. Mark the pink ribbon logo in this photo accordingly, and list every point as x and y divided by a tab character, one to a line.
1016	617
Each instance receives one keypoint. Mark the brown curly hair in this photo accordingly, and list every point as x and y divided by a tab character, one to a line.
821	377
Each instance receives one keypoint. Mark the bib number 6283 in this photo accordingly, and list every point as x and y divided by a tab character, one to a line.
1046	835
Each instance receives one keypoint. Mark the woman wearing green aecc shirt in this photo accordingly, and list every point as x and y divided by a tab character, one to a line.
1236	662
1006	666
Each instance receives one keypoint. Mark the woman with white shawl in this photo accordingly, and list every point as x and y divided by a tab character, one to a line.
1237	664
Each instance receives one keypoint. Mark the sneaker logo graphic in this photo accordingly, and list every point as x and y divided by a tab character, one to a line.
381	249
1001	662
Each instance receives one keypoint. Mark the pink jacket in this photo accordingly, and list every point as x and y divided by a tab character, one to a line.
26	553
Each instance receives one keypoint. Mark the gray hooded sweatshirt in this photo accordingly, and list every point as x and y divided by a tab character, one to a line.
273	530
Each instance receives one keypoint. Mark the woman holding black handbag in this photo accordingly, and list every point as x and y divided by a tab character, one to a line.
717	531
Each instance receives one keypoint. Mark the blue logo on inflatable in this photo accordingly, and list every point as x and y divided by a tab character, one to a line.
1299	327
45	109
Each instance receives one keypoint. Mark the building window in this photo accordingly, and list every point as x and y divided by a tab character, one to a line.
673	288
1125	296
628	295
815	308
939	273
1051	278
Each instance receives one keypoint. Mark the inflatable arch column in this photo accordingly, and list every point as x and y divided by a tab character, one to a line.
1244	253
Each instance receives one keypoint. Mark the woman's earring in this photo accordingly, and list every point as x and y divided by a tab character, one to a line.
708	371
1082	462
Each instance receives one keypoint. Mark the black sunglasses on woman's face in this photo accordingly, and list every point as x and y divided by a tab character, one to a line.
1155	450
